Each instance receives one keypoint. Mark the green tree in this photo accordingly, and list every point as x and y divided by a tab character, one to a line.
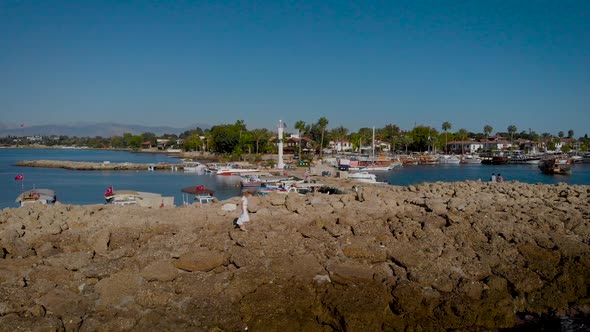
149	137
226	138
422	137
487	130
259	135
406	140
192	143
389	133
560	134
446	126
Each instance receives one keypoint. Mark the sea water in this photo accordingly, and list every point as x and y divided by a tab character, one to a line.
88	187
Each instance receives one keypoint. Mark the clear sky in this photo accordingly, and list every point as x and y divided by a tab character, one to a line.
358	63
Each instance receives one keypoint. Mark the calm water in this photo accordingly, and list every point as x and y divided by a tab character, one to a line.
458	172
87	187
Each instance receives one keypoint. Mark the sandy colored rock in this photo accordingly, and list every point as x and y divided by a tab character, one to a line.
434	256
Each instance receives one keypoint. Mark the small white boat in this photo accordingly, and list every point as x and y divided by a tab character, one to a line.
448	159
193	167
364	177
233	169
470	159
43	196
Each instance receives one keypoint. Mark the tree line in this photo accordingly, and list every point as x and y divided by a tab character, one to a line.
236	139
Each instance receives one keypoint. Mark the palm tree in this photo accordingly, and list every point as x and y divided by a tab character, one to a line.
258	135
560	134
300	126
407	140
487	130
570	134
446	126
511	130
323	123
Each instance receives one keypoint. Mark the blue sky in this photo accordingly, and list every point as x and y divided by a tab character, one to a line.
358	63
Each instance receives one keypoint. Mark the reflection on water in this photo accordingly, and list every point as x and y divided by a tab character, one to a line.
87	187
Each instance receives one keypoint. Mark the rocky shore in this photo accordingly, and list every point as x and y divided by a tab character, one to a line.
439	256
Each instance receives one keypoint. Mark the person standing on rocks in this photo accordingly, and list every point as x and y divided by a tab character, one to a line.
244	216
499	178
493	177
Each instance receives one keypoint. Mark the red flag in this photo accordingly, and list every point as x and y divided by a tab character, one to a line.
109	192
201	187
19	177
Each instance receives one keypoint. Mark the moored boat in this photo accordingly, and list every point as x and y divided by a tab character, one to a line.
256	181
43	196
201	195
519	157
427	159
470	159
449	159
192	167
234	169
560	165
363	177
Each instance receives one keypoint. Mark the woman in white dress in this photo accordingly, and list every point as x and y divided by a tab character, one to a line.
244	217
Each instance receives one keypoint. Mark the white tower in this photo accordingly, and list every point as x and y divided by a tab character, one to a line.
280	164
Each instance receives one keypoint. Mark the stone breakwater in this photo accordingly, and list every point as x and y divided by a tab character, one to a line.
93	166
465	255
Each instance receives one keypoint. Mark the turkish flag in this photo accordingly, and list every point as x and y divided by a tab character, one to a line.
19	177
109	192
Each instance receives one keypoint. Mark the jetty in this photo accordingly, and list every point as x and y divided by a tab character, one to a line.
98	166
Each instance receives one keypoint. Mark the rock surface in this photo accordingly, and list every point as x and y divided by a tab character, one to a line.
437	256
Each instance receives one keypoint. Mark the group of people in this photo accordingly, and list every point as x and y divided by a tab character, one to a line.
496	178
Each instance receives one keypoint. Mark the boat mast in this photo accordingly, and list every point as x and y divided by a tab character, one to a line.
373	147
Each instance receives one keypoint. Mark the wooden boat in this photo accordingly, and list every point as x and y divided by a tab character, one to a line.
495	159
43	196
556	165
427	159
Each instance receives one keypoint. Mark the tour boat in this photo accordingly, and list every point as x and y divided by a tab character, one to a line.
556	165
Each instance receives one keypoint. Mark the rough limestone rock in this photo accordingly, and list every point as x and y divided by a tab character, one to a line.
466	256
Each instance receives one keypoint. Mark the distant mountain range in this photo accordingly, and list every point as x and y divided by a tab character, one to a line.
90	129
